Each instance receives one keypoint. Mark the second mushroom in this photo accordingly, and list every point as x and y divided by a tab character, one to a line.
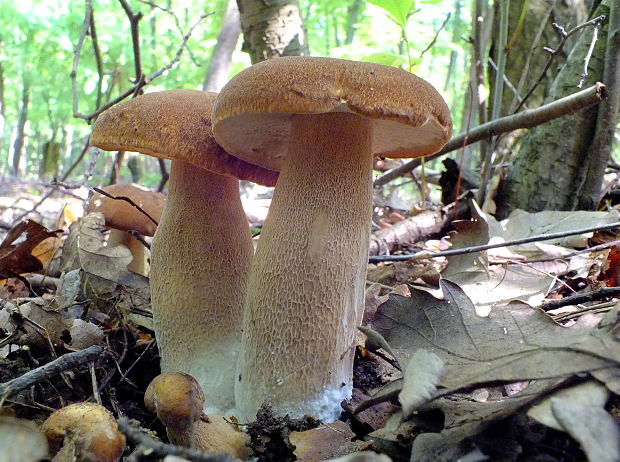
202	248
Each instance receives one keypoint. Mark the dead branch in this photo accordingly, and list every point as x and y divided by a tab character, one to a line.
526	119
148	446
128	200
49	370
139	84
414	229
554	52
480	248
599	294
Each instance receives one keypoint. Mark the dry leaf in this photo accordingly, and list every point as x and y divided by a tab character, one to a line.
18	258
512	344
325	442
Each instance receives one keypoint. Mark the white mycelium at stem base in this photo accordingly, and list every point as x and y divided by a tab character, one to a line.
305	295
200	263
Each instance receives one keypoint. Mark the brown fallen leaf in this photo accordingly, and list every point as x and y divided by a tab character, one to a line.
18	258
325	442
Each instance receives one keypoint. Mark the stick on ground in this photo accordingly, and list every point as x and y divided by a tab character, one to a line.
49	370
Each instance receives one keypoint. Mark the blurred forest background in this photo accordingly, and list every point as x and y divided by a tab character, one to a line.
49	94
39	135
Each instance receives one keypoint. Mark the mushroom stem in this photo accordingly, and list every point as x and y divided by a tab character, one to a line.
305	293
139	264
201	255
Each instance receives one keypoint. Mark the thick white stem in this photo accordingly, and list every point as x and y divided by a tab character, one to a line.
305	295
200	262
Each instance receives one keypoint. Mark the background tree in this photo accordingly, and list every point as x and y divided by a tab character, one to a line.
272	28
551	165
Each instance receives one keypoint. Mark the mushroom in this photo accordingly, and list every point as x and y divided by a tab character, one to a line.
202	249
177	399
320	121
86	431
121	217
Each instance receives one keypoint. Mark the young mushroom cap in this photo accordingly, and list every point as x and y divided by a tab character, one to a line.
321	121
121	216
202	249
177	399
87	430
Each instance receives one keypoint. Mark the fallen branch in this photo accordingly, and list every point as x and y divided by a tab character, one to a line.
147	445
49	370
479	248
416	228
599	294
526	119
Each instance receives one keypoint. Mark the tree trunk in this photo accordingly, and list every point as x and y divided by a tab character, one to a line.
18	146
119	159
272	28
526	57
2	120
353	14
50	162
548	173
608	116
221	57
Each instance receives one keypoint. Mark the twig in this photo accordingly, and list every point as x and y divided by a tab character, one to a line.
479	248
596	308
586	59
56	183
155	448
605	292
42	280
507	81
89	171
554	52
126	199
134	21
526	119
49	370
177	23
432	43
135	87
93	379
76	56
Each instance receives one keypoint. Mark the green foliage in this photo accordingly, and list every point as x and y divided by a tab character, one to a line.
398	10
38	39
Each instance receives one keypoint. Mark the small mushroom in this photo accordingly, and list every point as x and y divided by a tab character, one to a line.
177	399
201	253
320	121
87	431
121	217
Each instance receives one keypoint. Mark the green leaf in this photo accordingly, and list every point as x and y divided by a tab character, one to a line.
398	10
387	59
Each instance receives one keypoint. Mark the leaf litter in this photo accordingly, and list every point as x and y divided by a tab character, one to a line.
500	386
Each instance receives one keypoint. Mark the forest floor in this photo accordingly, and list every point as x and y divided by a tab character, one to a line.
511	354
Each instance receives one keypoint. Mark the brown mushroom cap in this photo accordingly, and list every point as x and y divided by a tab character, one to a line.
90	428
176	398
120	214
252	115
173	124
